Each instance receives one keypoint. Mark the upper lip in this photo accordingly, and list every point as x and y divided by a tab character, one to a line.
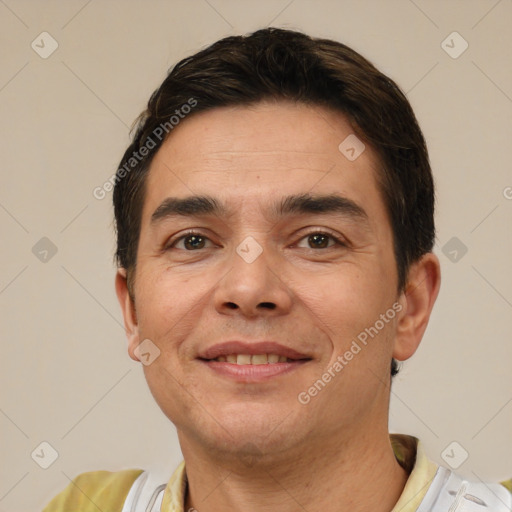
250	348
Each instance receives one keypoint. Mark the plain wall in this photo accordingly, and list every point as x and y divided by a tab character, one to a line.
66	377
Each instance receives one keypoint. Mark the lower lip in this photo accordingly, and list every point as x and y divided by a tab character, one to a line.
253	372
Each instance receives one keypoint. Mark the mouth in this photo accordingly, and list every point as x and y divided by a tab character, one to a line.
255	359
250	362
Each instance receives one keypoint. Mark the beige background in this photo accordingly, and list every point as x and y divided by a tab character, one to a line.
66	377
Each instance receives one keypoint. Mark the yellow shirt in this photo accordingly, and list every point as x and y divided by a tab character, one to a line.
107	491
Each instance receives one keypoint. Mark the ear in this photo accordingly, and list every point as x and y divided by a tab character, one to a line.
129	314
421	290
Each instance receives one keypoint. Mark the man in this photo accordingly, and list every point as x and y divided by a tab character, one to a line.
275	230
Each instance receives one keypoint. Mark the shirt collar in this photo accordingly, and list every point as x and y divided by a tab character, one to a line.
174	495
411	455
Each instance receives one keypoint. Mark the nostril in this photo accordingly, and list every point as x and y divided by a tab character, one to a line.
269	305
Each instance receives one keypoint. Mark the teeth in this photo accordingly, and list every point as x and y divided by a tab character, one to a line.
254	359
243	359
259	359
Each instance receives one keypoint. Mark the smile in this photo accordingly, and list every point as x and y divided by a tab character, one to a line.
245	368
242	359
251	361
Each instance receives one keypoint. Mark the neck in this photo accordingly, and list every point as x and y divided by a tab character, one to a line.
358	475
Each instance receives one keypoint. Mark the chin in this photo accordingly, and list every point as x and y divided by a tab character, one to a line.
248	449
248	435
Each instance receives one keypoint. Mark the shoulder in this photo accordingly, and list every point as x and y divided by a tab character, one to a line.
432	487
507	484
95	490
450	491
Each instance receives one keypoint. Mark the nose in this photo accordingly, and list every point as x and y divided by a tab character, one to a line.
253	287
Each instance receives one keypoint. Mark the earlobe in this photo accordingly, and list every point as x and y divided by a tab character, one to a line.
424	280
129	313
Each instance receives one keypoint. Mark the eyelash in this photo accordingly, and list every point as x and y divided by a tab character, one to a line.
191	232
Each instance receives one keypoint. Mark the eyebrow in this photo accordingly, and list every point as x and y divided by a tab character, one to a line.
301	204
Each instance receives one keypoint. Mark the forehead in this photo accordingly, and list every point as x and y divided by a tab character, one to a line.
257	153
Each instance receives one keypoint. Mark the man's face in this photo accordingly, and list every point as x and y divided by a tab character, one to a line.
271	280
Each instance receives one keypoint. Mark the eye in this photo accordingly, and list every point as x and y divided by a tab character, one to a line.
320	240
192	240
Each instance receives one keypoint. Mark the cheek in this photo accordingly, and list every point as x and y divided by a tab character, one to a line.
170	391
167	300
350	306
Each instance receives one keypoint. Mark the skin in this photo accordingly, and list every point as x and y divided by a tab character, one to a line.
252	445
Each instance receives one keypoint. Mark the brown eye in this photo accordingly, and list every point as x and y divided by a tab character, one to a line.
320	240
194	242
191	241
